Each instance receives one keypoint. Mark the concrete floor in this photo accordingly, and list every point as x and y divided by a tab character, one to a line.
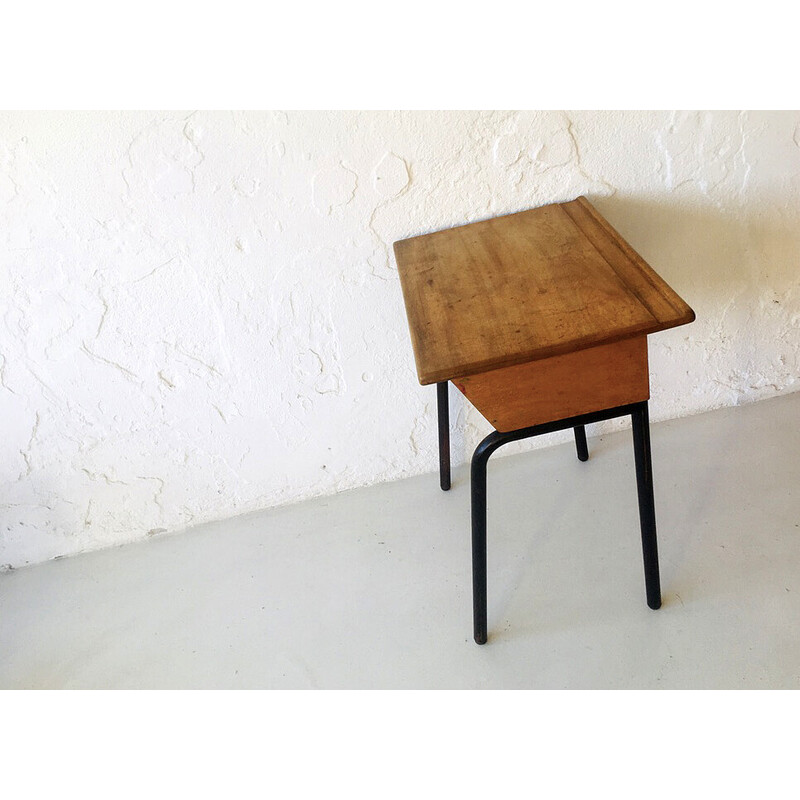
371	588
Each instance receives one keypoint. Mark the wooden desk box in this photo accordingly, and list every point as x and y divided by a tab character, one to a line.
539	318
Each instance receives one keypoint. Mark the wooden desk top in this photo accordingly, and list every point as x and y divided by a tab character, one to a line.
526	286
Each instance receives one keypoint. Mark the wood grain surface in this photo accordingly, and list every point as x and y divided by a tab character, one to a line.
524	287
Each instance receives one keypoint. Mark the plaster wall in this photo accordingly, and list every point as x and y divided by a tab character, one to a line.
201	314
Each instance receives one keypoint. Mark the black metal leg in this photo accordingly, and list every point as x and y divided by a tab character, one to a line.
478	484
647	510
444	435
641	438
580	443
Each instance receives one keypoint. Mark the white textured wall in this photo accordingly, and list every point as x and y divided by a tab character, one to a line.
201	314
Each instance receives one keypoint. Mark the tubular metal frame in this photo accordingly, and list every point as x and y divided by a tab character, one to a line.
443	407
644	482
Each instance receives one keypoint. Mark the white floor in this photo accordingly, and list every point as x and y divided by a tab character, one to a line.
371	588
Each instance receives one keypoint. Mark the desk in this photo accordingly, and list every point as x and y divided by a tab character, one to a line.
540	319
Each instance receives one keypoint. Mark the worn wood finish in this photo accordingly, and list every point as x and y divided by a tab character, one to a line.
525	287
562	386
